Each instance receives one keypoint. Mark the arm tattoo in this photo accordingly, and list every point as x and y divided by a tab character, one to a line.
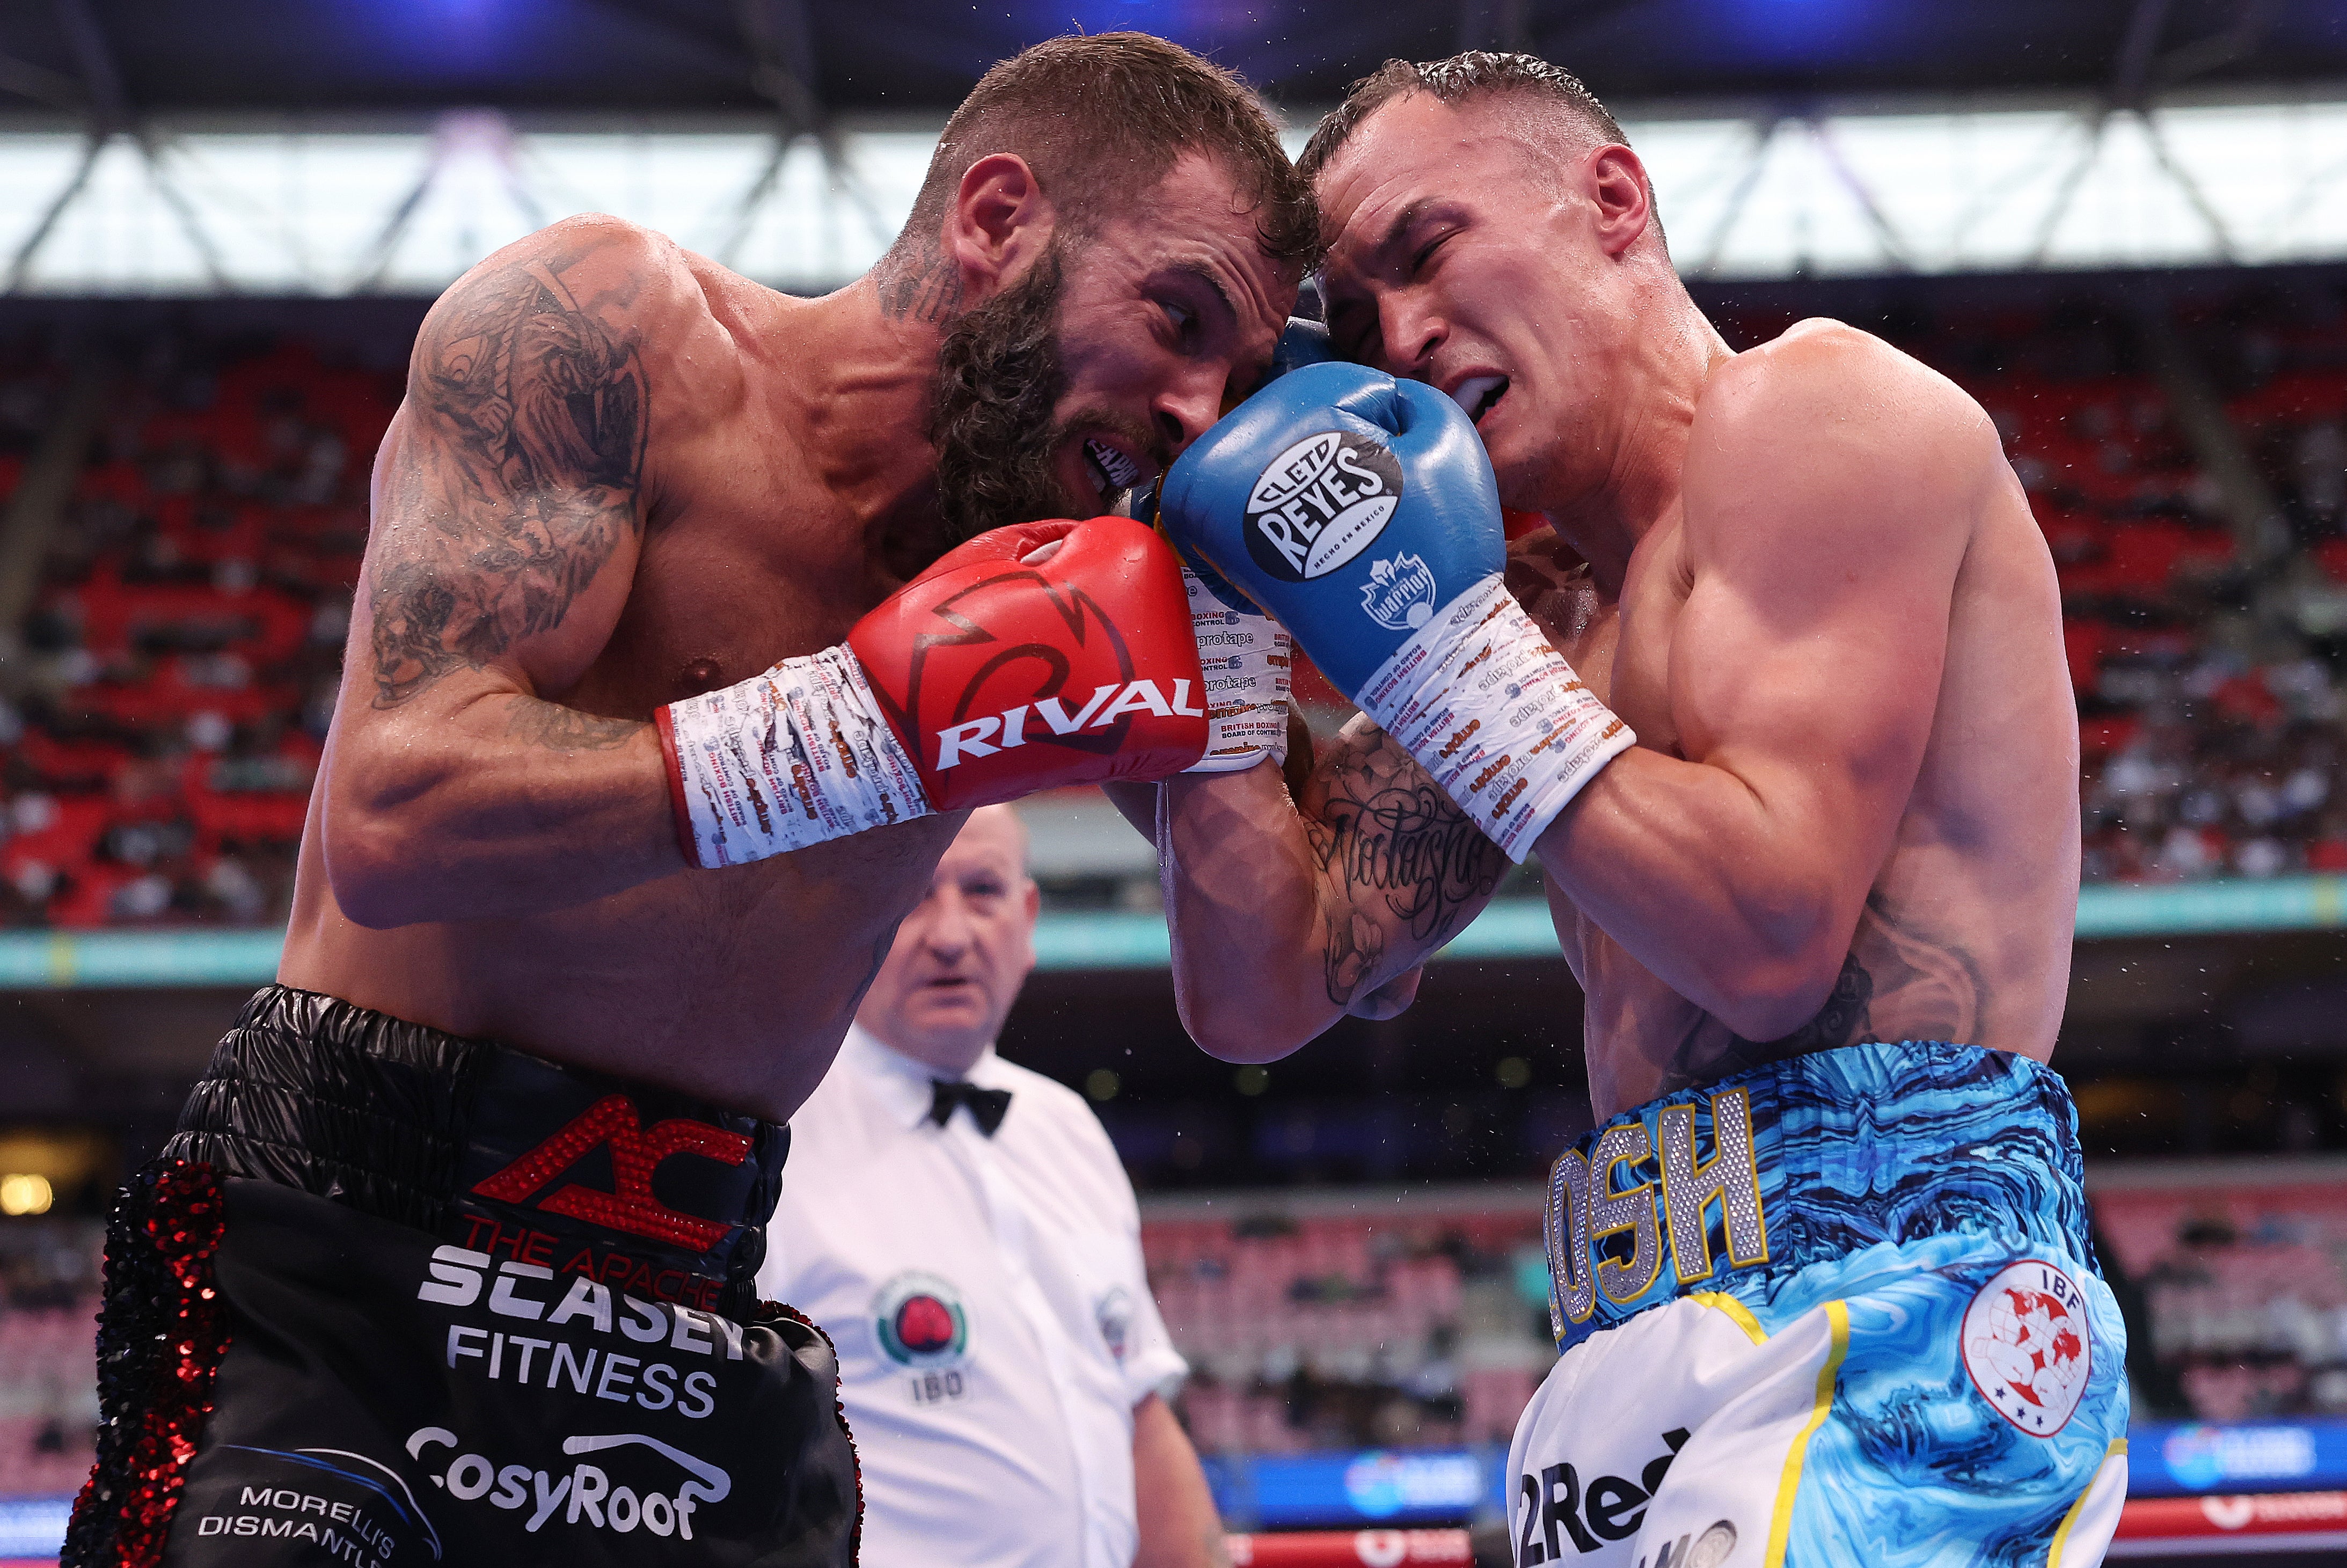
561	729
525	483
1908	987
1397	859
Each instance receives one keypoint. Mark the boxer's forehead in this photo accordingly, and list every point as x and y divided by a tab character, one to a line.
1196	223
1412	154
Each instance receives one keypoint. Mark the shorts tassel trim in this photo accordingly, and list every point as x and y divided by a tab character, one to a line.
839	1413
161	1332
1781	1525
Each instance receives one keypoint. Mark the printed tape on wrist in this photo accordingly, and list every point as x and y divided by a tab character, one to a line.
1246	660
1495	714
793	757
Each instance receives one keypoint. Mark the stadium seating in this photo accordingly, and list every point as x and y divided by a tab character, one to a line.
1316	1331
49	1395
184	644
2244	1286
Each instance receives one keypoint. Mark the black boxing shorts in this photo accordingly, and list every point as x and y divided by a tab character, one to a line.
391	1297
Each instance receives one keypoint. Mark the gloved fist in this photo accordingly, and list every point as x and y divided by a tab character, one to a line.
1361	512
999	671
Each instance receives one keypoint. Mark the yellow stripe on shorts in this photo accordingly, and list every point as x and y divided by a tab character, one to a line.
1780	1527
2062	1536
1738	1313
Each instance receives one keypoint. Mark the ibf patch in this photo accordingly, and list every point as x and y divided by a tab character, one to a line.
920	1321
1320	503
2028	1347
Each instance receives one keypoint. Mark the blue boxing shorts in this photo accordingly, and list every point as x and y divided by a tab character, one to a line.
1840	1309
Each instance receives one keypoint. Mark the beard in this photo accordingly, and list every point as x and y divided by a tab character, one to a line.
1000	377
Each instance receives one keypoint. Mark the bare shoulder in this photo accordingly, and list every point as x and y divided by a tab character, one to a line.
1827	429
1825	381
591	302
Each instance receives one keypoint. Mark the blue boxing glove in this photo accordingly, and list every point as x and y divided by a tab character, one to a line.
1361	513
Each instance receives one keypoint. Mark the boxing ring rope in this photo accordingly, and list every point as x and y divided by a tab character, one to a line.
2150	1526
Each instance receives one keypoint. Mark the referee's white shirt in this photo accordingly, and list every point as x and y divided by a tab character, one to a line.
990	1309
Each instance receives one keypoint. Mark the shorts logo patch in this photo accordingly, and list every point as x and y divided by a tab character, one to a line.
637	1152
1114	1313
2027	1345
1400	594
920	1322
1320	503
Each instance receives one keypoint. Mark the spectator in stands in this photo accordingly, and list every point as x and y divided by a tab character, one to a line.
962	1230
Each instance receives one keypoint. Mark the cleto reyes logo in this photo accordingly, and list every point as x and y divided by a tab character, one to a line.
1320	503
637	1152
1001	731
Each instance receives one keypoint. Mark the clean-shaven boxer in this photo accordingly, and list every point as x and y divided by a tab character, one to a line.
659	705
967	1238
1779	707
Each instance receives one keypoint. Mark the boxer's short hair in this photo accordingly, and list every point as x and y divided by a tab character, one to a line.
1478	73
1101	118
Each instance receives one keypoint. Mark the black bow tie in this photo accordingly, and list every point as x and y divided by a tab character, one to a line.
986	1106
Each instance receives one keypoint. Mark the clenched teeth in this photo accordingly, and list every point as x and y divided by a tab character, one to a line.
1123	471
1478	393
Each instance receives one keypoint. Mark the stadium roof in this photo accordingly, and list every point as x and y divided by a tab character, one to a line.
115	60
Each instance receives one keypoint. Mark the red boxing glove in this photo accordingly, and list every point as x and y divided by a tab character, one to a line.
1031	657
1003	675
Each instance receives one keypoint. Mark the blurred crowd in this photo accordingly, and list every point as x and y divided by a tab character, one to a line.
2245	1295
163	699
48	1384
1313	1332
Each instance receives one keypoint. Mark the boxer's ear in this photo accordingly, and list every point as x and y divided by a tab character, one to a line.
1000	223
1620	193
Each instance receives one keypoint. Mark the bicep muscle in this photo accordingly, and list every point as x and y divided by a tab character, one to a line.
512	479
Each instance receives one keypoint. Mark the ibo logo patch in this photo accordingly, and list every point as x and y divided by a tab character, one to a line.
1320	503
1400	594
920	1321
1114	1315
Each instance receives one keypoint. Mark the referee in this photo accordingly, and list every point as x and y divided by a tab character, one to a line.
962	1229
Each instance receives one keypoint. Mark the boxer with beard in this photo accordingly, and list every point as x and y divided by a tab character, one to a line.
692	624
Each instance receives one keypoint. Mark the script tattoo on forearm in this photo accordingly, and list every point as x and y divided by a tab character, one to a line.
521	474
1907	986
1397	859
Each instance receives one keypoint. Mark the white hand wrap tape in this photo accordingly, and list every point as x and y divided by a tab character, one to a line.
1246	659
1495	713
793	757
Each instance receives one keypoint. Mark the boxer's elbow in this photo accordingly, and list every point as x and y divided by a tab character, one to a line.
1236	1024
380	853
1782	971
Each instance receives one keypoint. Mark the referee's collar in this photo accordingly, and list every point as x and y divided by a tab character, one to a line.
902	1082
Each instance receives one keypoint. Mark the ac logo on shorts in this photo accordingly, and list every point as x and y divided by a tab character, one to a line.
2028	1347
637	1152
